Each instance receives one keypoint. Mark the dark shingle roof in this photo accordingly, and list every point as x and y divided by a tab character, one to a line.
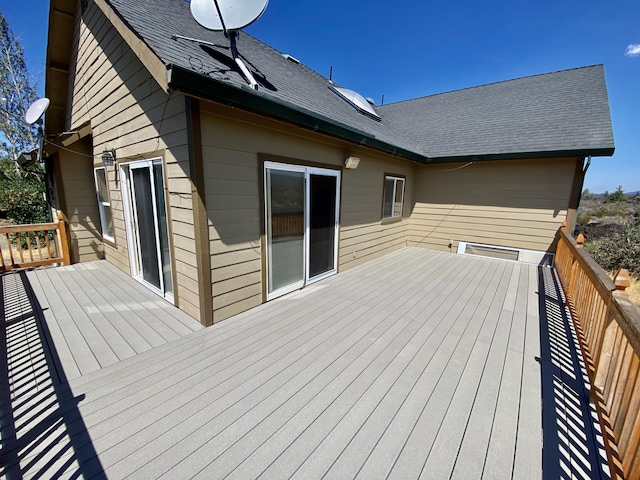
279	78
554	112
561	111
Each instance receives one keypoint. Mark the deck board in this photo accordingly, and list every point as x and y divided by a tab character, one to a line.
98	316
417	364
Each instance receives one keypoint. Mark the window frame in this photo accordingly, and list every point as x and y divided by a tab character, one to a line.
103	204
396	179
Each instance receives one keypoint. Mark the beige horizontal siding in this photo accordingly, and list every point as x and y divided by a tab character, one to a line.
76	175
235	270
519	203
132	114
363	236
233	198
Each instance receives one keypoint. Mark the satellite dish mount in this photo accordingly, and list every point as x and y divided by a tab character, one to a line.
34	116
229	16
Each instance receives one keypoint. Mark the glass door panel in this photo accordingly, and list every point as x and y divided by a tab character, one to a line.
163	233
322	223
145	221
285	221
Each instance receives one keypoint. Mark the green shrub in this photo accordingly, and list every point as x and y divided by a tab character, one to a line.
619	250
610	211
22	196
583	218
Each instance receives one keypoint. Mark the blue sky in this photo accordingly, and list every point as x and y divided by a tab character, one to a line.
406	49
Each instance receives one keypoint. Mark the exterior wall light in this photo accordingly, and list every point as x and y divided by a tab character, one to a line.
108	157
352	163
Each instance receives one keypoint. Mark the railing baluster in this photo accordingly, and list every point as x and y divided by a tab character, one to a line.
29	246
10	248
39	247
20	249
48	243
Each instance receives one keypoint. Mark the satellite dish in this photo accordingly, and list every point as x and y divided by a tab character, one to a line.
229	16
224	15
36	110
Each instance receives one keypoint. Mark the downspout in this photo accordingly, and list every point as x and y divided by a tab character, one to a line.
584	174
576	193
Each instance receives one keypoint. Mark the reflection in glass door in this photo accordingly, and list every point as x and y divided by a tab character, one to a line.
285	229
143	189
301	218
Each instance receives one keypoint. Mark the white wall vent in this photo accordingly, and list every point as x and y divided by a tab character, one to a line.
533	257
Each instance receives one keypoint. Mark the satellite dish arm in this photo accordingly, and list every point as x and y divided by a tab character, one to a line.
224	27
243	68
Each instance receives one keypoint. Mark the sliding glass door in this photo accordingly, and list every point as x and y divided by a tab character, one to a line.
301	218
147	232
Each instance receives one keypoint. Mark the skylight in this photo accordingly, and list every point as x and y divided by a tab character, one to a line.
357	100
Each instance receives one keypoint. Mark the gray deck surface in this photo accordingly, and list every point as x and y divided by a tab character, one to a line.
417	365
97	316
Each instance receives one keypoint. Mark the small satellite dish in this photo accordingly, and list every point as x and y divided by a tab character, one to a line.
36	110
224	15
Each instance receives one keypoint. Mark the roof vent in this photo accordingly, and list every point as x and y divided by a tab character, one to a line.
356	100
371	101
290	58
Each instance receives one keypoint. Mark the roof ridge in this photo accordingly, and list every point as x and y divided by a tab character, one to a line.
499	82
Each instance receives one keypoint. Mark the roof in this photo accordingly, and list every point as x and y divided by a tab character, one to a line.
543	115
546	113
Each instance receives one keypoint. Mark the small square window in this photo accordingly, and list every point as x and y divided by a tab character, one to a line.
393	196
104	204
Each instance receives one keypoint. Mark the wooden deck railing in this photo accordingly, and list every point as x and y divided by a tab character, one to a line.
608	327
23	246
287	225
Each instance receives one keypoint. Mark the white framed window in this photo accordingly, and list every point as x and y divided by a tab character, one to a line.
104	204
393	196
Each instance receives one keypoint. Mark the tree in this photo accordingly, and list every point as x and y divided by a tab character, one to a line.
22	196
617	196
16	94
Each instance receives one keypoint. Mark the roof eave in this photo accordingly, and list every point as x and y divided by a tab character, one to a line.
585	152
203	86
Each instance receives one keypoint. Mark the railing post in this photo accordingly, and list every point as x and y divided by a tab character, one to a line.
64	239
622	281
574	267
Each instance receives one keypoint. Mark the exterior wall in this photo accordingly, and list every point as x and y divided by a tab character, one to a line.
129	112
234	143
517	203
76	185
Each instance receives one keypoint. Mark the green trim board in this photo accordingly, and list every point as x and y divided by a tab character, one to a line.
200	85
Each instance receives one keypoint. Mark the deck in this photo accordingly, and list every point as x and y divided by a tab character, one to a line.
417	365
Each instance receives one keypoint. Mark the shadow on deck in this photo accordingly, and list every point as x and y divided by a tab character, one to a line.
572	442
49	431
36	398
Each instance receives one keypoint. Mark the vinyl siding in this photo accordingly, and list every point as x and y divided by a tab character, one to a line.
232	144
519	203
129	111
